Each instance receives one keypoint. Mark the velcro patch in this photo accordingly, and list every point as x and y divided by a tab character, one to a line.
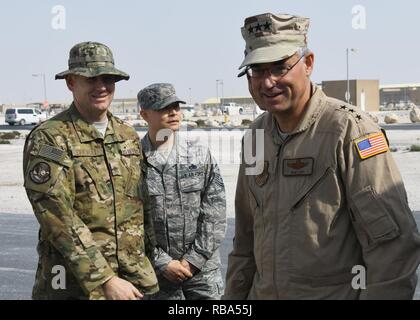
262	179
298	167
371	145
40	173
52	153
129	148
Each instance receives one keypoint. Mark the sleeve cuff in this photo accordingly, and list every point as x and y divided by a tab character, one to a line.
161	260
196	259
94	280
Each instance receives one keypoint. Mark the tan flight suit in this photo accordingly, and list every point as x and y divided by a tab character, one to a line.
317	210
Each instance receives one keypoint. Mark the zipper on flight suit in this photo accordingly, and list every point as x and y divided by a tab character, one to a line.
320	180
278	157
276	177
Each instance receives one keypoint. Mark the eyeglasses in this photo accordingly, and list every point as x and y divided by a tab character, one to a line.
276	71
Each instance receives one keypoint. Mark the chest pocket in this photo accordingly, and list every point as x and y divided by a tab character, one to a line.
192	178
131	157
192	184
314	186
91	173
314	215
316	207
156	193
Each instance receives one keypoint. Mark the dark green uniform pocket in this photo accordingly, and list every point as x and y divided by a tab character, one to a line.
102	188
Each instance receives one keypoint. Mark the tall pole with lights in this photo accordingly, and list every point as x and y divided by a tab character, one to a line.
348	50
45	86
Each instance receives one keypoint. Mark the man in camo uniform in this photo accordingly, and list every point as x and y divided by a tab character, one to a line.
83	179
187	198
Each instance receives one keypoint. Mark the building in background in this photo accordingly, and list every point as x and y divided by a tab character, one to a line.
124	106
247	102
399	96
363	93
366	94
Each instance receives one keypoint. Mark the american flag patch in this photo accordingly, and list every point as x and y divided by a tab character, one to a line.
371	145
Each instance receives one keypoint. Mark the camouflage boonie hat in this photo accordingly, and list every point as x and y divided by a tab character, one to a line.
157	96
271	37
92	59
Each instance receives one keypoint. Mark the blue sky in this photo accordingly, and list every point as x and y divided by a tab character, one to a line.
192	43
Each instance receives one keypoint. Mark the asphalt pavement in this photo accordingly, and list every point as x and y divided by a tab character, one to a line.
18	257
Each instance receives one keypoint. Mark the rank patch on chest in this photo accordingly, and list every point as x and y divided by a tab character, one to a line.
298	167
40	173
261	179
371	145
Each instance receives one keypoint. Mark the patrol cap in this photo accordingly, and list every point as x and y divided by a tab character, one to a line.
92	59
272	37
157	96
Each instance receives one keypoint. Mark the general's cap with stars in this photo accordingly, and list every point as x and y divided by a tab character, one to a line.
272	37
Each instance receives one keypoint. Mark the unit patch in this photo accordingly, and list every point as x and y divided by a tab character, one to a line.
40	173
261	179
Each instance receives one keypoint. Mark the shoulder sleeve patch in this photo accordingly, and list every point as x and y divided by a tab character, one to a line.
52	153
371	145
42	175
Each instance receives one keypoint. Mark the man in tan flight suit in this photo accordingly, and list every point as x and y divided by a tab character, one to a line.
326	215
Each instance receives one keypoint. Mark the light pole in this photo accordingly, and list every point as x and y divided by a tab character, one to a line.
189	89
222	96
348	80
45	85
217	90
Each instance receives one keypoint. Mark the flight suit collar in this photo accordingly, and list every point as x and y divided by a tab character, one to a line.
312	112
274	131
87	132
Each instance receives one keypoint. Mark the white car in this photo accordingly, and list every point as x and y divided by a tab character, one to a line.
232	109
23	116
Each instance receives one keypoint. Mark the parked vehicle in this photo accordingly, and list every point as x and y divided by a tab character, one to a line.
232	109
24	116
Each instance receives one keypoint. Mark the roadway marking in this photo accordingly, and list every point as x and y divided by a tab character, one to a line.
17	270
